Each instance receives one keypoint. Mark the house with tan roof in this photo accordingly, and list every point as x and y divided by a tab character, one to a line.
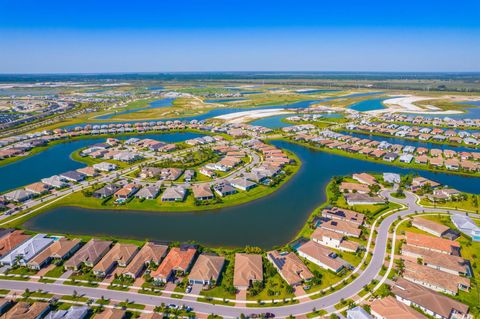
110	313
354	187
60	250
334	240
202	191
452	264
88	171
120	255
12	240
290	267
38	188
247	270
427	242
391	308
179	259
435	279
365	178
430	302
206	270
430	226
149	253
89	255
342	227
344	214
321	256
25	310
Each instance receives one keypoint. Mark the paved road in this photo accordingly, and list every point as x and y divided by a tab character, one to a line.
364	278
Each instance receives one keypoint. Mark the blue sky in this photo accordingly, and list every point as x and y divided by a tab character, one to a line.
230	35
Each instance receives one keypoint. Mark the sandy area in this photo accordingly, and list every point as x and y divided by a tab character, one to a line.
405	104
247	116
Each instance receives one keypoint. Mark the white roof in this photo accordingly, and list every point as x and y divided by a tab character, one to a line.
27	250
466	225
74	312
358	313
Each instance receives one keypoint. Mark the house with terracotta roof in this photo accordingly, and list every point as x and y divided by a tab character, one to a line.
206	270
365	178
12	240
418	182
59	250
110	313
179	259
430	302
25	310
427	242
89	255
354	187
38	188
321	256
149	253
120	255
430	226
247	270
126	191
435	279
290	267
391	308
334	240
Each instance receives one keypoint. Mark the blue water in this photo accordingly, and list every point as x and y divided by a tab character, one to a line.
313	91
368	105
251	92
394	140
470	112
267	222
154	88
56	160
152	105
224	100
275	121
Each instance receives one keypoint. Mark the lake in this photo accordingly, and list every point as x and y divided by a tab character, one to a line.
368	105
275	121
56	159
152	105
267	222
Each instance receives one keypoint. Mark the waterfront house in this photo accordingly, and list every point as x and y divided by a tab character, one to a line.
22	254
25	310
419	182
443	194
224	189
391	308
120	255
126	191
202	192
365	178
10	240
247	270
74	312
18	196
174	194
105	167
290	267
390	156
334	240
61	249
106	191
363	199
467	226
430	226
344	215
391	178
148	192
37	188
342	227
321	256
73	176
242	183
354	187
435	279
432	303
206	270
55	181
149	253
89	255
426	242
179	259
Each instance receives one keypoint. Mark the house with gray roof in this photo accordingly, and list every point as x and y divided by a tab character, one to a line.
74	312
73	176
242	183
174	194
54	181
148	192
106	191
18	195
224	189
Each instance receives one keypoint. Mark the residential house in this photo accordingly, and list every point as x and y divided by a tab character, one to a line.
120	255
321	256
61	249
247	270
25	310
18	196
89	255
430	226
224	189
206	270
106	191
174	194
74	312
11	240
179	259
105	167
358	313
111	313
334	240
148	192
344	215
37	188
391	308
467	226
342	227
290	267
149	253
22	254
126	191
242	183
363	199
55	181
354	187
73	176
426	242
202	192
365	178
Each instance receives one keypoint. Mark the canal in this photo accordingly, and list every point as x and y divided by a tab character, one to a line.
266	222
